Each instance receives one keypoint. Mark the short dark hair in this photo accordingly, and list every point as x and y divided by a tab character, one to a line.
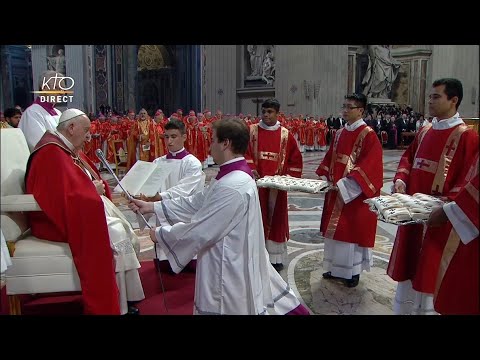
11	112
453	87
360	99
235	130
175	124
271	103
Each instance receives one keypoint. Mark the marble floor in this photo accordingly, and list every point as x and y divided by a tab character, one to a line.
375	292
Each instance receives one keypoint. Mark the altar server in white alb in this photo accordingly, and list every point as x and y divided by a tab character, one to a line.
223	226
41	115
186	176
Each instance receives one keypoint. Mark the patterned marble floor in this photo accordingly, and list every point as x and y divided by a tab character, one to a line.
374	294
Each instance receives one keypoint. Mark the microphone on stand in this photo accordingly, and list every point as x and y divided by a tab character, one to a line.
104	161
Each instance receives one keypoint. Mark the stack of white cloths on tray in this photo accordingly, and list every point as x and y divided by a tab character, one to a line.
402	208
289	183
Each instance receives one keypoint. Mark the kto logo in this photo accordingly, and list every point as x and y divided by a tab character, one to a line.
56	89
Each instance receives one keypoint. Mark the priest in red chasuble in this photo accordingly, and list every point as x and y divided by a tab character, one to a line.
435	163
457	284
273	151
354	164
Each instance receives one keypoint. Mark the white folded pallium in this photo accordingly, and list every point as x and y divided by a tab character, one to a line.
428	200
397	214
386	202
401	208
418	213
289	183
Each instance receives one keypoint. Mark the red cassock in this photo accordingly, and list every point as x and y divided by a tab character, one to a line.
73	212
357	155
457	286
436	163
274	153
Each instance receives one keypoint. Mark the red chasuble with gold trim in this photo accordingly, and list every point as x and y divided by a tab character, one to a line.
436	163
274	153
358	155
457	286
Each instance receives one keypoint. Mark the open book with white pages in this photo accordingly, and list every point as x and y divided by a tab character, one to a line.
148	178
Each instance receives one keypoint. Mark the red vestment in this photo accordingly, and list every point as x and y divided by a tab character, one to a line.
321	132
274	153
357	155
145	130
433	164
73	212
457	287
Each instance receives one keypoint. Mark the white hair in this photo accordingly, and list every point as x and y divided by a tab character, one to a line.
47	75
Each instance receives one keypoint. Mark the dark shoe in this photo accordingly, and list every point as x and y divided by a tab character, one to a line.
328	275
351	283
278	267
132	310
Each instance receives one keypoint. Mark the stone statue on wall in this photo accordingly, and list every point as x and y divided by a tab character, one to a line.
381	72
268	68
57	63
256	53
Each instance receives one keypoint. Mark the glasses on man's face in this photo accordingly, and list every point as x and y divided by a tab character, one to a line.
350	107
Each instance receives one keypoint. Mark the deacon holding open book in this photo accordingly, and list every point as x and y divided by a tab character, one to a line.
185	178
223	226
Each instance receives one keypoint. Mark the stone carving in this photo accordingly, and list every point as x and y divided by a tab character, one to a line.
268	71
381	72
257	53
57	63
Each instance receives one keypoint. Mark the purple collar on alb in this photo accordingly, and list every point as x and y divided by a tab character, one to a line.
236	165
49	107
179	155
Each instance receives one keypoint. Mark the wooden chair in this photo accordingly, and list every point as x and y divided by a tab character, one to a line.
120	156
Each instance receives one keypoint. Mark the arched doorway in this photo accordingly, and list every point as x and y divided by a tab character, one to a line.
156	72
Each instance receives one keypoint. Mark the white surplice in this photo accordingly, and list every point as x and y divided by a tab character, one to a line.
35	121
185	178
222	225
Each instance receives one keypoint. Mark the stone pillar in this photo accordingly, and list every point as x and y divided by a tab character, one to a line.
352	62
74	58
101	78
131	79
89	79
39	64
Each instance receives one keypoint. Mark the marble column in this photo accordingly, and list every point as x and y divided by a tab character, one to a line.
75	57
131	80
39	63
